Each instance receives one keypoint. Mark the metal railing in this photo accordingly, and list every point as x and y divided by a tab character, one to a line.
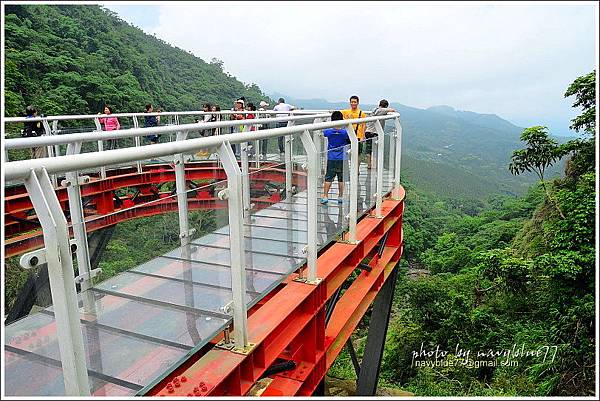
73	117
35	174
52	141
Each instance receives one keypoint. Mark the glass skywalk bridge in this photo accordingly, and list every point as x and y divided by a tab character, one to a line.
138	326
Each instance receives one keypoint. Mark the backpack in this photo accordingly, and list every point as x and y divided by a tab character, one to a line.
32	129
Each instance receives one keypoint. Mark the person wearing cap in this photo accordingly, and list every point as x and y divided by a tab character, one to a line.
371	132
264	142
238	106
282	106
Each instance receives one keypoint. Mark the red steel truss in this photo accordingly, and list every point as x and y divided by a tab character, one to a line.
103	209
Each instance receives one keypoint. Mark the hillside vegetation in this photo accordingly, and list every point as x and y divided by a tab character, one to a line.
70	59
452	153
511	281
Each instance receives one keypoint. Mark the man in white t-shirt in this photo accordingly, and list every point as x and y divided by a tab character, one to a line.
282	106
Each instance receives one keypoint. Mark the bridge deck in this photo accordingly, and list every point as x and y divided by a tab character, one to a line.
141	324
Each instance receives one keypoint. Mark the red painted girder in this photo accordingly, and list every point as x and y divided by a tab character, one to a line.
34	239
20	202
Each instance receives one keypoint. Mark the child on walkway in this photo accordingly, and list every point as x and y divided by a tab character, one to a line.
337	158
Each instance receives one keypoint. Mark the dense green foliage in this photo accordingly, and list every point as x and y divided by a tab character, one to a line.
500	275
68	59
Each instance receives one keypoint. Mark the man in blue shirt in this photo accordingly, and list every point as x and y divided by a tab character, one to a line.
151	121
337	158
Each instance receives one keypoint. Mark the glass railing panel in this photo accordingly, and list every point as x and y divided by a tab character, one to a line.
367	175
334	190
275	239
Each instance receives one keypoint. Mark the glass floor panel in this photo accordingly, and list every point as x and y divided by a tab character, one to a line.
277	247
254	260
136	359
48	378
187	296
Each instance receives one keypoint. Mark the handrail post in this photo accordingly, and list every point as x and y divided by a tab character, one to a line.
380	152
354	163
62	282
398	159
53	151
245	174
257	146
316	137
313	174
50	131
182	202
392	154
100	147
288	163
237	247
138	141
72	182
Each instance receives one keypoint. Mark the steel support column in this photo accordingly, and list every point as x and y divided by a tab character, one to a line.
62	282
236	239
313	167
380	317
380	152
288	163
354	163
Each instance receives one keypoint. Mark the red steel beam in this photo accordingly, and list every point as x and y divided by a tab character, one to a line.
18	199
23	233
34	239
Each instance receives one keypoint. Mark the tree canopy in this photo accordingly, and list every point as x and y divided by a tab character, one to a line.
73	59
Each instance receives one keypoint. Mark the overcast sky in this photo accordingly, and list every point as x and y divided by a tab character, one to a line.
511	59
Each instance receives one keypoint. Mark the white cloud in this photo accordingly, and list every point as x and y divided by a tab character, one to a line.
511	59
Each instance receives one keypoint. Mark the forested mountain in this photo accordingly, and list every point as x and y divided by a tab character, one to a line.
72	59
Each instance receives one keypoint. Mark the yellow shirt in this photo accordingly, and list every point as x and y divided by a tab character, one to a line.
358	113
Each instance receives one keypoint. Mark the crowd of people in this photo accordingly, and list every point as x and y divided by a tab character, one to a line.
337	138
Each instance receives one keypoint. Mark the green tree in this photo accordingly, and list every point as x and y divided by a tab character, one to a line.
540	152
583	150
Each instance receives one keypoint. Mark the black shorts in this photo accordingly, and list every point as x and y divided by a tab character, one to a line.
339	168
369	143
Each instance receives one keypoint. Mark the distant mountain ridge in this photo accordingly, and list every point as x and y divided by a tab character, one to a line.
452	152
485	120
